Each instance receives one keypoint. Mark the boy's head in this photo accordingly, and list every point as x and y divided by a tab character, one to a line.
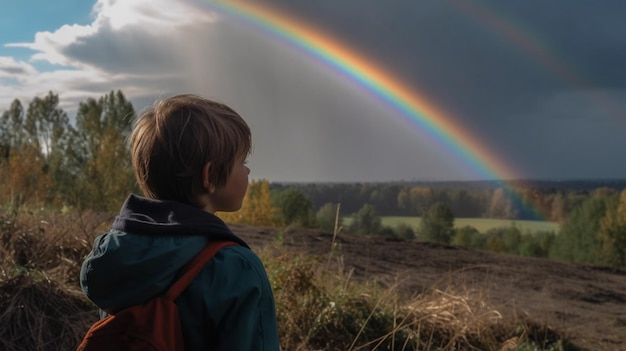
173	141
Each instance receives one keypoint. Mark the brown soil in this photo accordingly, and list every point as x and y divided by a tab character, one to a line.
584	303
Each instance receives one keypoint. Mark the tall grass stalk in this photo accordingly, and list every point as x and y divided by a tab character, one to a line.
336	230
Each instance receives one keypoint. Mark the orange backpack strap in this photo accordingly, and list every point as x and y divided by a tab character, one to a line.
194	267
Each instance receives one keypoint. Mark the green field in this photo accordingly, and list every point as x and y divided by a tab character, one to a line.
482	224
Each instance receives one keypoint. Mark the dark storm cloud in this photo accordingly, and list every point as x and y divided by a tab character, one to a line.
585	35
533	79
459	52
539	84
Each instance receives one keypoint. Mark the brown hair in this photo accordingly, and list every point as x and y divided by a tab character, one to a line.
173	140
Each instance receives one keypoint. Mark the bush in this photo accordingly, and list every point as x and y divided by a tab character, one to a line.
404	231
295	208
437	224
366	221
327	216
464	236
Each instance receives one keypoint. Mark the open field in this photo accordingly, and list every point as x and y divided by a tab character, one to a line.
585	303
444	297
482	224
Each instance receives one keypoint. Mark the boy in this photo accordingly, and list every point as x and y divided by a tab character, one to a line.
188	155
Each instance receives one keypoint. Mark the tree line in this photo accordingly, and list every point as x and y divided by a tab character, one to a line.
46	160
593	232
551	201
50	162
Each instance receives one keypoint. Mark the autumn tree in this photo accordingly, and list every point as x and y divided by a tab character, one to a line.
501	205
24	179
11	128
558	209
404	201
48	130
11	131
421	198
101	151
257	208
32	142
45	123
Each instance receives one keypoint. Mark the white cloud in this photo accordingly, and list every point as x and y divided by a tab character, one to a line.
117	14
39	84
49	45
133	45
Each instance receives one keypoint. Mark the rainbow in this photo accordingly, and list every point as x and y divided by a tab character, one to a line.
366	74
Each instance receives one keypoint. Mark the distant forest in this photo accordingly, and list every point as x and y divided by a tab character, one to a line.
524	200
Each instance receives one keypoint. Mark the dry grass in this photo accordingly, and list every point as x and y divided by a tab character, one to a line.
41	306
325	309
51	243
319	305
38	314
454	320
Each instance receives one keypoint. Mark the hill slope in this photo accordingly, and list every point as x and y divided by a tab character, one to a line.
588	304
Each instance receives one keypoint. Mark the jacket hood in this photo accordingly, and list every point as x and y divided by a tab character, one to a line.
149	242
144	216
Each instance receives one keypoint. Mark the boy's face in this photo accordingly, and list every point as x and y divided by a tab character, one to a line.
229	197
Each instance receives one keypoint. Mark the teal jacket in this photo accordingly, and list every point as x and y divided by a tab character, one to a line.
228	306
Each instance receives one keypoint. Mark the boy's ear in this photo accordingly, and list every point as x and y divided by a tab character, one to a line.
206	184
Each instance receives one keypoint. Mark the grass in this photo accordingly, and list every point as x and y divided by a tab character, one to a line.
327	309
320	305
482	224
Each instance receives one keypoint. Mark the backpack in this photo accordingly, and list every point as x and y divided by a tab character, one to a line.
154	325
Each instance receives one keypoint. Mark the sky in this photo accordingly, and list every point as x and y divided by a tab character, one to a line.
461	90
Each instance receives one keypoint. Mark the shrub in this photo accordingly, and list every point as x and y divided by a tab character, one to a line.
404	231
464	236
327	216
366	221
437	224
294	207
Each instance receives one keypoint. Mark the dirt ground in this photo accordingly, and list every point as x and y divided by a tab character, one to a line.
585	303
